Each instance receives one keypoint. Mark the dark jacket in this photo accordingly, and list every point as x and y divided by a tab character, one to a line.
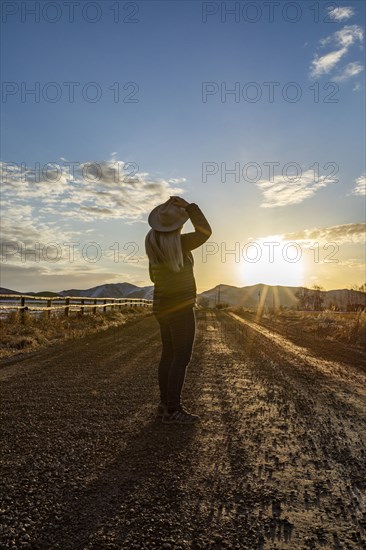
174	291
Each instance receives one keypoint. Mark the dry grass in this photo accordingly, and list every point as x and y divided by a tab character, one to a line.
346	327
39	331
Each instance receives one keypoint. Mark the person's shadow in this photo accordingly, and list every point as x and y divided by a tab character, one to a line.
149	461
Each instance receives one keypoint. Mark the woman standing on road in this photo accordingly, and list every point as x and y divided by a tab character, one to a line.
171	271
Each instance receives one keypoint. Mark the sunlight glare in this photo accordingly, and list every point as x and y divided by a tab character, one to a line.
272	263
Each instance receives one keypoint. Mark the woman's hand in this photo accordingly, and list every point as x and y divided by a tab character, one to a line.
178	201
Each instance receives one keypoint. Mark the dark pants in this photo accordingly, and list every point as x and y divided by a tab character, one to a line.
177	336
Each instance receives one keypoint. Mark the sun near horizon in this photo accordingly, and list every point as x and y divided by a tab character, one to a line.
274	264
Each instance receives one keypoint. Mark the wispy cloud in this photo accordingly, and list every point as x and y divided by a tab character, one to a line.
341	41
345	37
39	208
360	188
91	190
324	64
21	230
350	70
349	35
345	233
353	263
284	192
340	13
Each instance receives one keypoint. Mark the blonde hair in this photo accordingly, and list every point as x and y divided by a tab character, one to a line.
165	248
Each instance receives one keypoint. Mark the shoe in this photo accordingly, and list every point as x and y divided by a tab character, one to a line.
180	416
162	410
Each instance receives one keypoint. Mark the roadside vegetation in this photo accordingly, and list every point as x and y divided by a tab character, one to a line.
347	327
38	330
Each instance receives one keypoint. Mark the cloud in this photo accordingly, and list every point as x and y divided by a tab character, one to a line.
351	233
324	64
340	13
88	191
22	232
341	41
353	263
39	202
349	35
350	70
360	188
284	192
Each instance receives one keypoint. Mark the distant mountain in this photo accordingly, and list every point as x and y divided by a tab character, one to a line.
250	296
145	292
8	291
43	293
343	296
246	296
112	290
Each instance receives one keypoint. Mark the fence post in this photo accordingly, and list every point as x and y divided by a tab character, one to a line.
82	301
22	311
49	304
105	307
67	308
94	308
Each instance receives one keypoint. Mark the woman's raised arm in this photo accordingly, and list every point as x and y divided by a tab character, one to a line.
202	232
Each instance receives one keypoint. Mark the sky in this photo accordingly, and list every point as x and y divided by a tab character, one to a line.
252	110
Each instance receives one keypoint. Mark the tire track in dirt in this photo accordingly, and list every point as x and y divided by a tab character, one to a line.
278	461
338	371
311	448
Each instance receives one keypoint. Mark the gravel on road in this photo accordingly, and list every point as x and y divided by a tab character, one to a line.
278	460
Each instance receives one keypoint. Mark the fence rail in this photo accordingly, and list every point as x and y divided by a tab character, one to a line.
27	303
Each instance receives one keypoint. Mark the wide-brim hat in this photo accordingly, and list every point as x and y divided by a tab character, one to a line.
167	216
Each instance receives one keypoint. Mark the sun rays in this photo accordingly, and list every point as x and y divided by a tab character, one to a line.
273	262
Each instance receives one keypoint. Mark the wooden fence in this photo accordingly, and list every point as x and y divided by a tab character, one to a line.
27	303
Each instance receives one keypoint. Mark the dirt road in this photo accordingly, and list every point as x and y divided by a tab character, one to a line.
278	461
